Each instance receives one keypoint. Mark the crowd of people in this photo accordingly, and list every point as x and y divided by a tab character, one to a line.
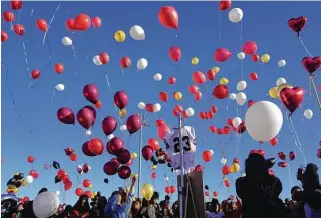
257	197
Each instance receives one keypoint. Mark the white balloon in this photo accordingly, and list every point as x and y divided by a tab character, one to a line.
280	81
110	137
241	98
141	105
88	132
158	77
233	96
263	121
29	179
236	122
123	128
60	87
281	63
212	152
241	55
223	161
142	64
190	112
45	204
137	32
235	15
157	107
66	41
96	60
58	193
241	85
166	179
308	114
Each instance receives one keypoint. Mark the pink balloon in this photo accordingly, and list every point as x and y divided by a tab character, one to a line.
66	115
250	48
124	156
91	93
115	146
109	125
175	53
147	152
222	54
96	22
93	110
115	161
129	163
85	118
124	172
121	99
110	168
134	123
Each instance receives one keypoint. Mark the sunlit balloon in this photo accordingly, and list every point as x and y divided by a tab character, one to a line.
137	32
141	105
216	69
241	98
223	81
147	191
110	137
195	60
158	77
123	128
142	64
223	161
190	112
281	63
308	114
66	41
178	96
232	96
241	85
280	81
134	155
88	132
236	122
241	55
120	36
273	92
235	15
60	87
265	58
235	168
157	107
96	60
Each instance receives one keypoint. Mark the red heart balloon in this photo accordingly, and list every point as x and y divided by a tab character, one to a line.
297	24
292	98
68	185
311	64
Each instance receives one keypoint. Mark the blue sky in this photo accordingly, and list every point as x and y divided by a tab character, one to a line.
264	22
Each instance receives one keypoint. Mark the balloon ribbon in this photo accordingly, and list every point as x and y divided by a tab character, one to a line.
316	92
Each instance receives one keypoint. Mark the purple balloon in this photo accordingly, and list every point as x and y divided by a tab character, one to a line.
90	92
47	166
124	156
85	118
121	99
147	152
93	110
115	146
66	115
124	172
134	123
110	168
109	125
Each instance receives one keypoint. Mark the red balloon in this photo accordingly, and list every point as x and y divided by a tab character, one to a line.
92	109
202	115
193	89
134	123
35	175
168	17
261	152
214	109
198	96
61	174
129	163
235	160
59	68
255	57
297	24
88	194
199	168
163	96
215	194
125	62
292	98
292	155
124	172
16	4
225	4
31	159
230	122
250	48
274	141
227	129
73	157
153	143
109	125
211	75
96	22
96	146
4	36
32	172
184	115
79	192
121	99
179	108
220	131
115	161
154	175
207	156
70	24
172	80
210	114
222	54
65	179
147	152
85	118
66	115
282	155
86	183
35	74
124	157
104	58
175	53
254	76
311	64
115	146
162	130
150	107
319	153
207	193
110	168
226	170
212	128
199	77
82	22
25	199
172	189
220	91
241	128
283	164
227	183
167	189
19	29
91	93
42	24
8	16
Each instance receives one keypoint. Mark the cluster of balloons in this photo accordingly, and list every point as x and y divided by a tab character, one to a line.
16	182
101	59
80	192
63	177
170	189
82	22
234	168
71	154
282	156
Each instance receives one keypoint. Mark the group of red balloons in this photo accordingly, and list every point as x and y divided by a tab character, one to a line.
82	22
63	177
71	154
170	189
79	192
93	147
33	173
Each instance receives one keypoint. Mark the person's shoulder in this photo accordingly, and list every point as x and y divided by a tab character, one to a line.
315	200
240	181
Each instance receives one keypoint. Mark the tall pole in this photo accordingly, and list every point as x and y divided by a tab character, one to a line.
140	160
181	196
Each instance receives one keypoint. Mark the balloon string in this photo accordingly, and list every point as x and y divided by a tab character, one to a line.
108	82
19	15
242	69
310	89
53	96
26	57
316	92
52	18
75	58
306	49
240	40
290	175
228	103
220	27
31	13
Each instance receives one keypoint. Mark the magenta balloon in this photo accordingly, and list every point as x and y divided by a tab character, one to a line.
222	54
249	48
86	151
66	115
124	156
147	152
129	163
85	118
109	125
110	168
115	161
90	92
121	99
115	146
134	123
93	110
124	172
47	166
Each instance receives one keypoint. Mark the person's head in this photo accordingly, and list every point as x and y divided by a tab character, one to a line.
20	207
167	197
136	205
154	199
145	203
311	180
42	190
287	200
256	167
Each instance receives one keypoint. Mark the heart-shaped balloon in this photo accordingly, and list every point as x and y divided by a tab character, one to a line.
297	24
311	64
292	98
